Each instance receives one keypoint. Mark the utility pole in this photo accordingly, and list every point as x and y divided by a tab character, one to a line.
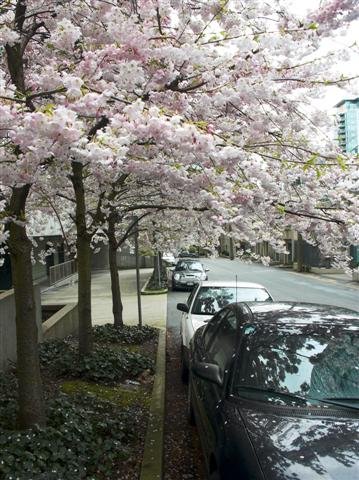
138	275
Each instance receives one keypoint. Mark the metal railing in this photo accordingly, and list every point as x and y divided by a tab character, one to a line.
62	270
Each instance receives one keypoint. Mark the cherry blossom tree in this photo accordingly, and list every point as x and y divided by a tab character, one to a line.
205	97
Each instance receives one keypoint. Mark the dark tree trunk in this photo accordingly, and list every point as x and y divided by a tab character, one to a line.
31	405
300	253
117	307
83	245
157	272
31	400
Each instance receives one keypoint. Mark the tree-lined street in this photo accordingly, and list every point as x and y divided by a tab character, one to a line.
148	126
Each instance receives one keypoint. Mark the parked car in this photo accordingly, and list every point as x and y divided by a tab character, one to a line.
274	391
187	254
188	273
205	300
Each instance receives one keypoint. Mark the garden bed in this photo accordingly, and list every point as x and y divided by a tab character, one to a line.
97	409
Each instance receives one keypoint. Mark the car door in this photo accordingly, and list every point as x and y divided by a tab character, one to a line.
218	349
186	328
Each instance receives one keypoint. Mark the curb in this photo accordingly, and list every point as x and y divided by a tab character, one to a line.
152	462
152	292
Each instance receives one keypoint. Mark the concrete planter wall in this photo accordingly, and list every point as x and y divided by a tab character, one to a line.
8	325
62	323
356	276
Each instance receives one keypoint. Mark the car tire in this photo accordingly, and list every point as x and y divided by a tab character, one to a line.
190	413
184	368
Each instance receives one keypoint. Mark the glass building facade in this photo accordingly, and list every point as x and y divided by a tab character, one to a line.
348	125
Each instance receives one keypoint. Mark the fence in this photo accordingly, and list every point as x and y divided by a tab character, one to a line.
129	261
62	270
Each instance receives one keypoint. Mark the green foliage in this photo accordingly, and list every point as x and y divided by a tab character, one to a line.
85	438
122	395
128	334
103	365
8	400
154	284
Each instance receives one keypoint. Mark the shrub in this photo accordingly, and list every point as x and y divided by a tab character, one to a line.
128	334
8	400
84	438
103	365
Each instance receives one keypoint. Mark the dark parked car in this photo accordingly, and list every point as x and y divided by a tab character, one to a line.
188	273
187	254
274	391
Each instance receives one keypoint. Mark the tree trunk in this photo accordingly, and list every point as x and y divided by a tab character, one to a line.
31	399
300	253
117	307
83	244
157	271
31	407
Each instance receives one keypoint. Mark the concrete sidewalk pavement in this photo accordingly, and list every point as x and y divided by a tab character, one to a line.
154	308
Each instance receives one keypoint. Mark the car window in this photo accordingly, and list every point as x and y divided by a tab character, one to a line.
185	265
212	327
311	361
181	266
191	296
195	266
223	344
211	299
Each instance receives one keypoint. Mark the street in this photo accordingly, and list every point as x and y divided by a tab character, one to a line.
282	283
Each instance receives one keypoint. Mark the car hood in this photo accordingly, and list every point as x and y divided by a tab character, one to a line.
191	273
199	320
306	447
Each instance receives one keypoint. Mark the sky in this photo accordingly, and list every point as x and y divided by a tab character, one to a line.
351	67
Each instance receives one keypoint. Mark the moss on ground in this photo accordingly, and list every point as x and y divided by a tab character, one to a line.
120	395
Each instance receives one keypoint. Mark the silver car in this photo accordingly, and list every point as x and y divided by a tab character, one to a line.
188	273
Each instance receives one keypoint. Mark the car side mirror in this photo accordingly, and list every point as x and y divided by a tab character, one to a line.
206	269
182	307
208	371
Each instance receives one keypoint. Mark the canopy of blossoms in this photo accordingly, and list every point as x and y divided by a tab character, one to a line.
209	101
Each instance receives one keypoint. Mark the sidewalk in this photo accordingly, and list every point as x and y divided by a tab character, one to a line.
154	308
343	279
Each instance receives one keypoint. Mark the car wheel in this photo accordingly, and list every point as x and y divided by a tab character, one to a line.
190	412
184	368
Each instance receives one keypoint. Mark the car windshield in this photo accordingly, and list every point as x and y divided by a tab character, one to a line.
182	266
311	362
211	299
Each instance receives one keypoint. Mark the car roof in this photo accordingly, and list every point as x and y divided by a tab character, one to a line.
189	260
300	313
230	283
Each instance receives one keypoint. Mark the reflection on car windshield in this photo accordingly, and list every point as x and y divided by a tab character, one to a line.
211	299
182	266
312	361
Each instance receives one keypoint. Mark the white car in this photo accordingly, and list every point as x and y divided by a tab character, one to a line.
205	300
169	258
